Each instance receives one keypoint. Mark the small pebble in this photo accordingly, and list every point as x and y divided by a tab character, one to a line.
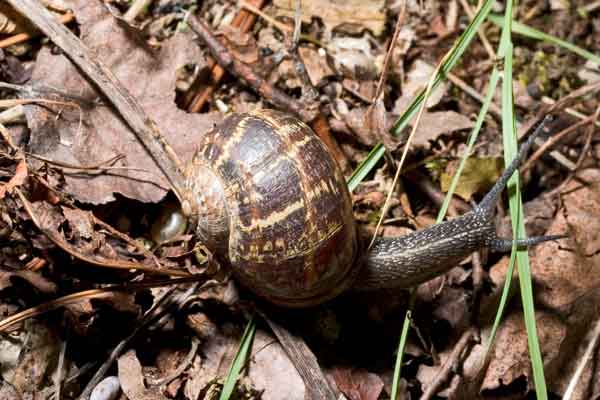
108	389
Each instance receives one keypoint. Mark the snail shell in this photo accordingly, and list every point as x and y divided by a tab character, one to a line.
267	197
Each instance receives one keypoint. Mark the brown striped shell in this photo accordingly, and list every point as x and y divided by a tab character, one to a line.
271	202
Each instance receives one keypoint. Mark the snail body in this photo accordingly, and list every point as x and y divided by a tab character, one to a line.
267	198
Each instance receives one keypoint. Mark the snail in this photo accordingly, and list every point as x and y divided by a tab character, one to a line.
266	197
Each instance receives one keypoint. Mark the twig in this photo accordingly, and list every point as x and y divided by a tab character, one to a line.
158	309
554	140
23	37
317	386
244	21
245	72
60	369
98	261
464	86
583	154
389	53
591	7
127	239
13	115
91	294
100	165
480	32
128	107
587	356
8	138
449	365
136	8
406	147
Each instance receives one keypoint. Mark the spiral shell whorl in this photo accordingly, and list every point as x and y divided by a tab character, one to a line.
290	233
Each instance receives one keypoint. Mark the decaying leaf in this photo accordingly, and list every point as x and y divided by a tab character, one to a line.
92	133
478	176
37	359
132	379
358	384
17	180
316	65
351	16
272	371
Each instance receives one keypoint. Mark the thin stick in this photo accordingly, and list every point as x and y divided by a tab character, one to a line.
23	37
388	54
587	356
158	309
554	140
244	21
480	32
226	60
136	8
405	151
444	374
128	107
100	262
90	294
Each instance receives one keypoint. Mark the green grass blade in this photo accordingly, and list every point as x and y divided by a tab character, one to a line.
533	33
239	360
453	58
470	143
509	136
366	166
503	301
400	354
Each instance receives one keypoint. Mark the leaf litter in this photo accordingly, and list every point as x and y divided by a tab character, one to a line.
354	347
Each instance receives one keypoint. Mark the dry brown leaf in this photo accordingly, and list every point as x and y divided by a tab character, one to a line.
510	356
35	279
358	384
417	79
272	371
566	276
435	124
36	360
95	133
132	379
317	67
351	16
17	180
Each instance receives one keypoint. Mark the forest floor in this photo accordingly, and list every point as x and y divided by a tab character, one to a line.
105	290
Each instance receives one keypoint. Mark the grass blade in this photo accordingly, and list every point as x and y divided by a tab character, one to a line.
450	62
495	77
366	166
532	33
509	138
239	360
401	347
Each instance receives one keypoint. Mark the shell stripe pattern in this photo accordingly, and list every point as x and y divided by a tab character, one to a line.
284	204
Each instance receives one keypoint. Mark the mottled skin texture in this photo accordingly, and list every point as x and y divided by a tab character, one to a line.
409	260
270	201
